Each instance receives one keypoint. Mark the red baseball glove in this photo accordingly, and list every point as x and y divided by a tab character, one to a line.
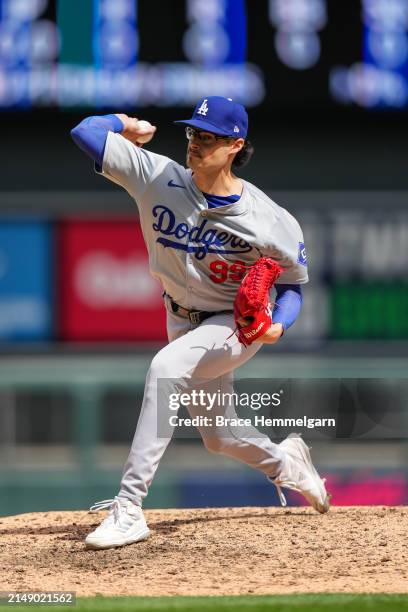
252	308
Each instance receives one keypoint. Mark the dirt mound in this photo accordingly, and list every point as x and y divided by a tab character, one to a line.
226	551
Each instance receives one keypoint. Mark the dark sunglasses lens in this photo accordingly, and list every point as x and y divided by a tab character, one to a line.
191	133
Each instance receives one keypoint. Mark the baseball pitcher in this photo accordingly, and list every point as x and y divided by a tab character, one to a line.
217	244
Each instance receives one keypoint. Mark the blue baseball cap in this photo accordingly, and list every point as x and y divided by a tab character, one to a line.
220	116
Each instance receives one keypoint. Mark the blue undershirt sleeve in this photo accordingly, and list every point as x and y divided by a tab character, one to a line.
287	305
90	135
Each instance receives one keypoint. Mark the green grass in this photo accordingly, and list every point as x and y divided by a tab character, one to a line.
275	603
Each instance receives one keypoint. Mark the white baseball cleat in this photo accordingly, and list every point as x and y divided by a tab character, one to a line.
299	474
125	524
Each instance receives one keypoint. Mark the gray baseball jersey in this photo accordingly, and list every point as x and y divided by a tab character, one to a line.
200	255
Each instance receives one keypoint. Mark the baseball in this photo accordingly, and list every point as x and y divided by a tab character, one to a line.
146	129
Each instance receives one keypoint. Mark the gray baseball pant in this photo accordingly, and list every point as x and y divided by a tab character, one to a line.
207	353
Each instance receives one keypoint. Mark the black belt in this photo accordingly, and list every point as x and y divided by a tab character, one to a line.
196	316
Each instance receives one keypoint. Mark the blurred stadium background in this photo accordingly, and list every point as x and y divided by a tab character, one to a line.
326	84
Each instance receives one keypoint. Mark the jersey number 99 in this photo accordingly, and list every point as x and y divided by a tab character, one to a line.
221	271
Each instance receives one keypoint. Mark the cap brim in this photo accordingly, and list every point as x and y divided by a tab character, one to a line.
203	125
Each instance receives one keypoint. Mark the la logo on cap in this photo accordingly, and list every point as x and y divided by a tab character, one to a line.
203	110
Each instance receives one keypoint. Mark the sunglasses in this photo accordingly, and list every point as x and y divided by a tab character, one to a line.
205	138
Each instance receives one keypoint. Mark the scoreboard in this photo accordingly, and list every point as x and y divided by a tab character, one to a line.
298	54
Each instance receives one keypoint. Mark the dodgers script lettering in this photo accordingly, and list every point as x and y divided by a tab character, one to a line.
200	239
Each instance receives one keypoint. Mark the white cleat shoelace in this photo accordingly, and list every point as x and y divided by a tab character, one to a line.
105	504
289	485
114	507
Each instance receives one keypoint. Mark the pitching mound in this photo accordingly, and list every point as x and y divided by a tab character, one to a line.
226	551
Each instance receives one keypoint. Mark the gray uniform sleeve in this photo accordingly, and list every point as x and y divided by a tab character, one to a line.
288	249
130	166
